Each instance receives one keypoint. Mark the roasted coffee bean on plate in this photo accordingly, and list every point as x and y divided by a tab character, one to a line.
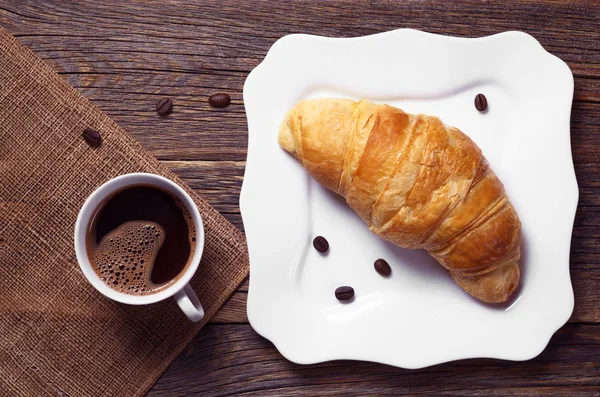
480	102
321	244
344	293
219	100
92	137
382	267
164	106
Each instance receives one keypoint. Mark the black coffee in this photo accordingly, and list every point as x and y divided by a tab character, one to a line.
141	239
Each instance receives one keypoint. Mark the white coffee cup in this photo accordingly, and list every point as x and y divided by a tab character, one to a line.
180	289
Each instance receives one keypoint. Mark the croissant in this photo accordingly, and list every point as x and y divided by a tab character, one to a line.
416	182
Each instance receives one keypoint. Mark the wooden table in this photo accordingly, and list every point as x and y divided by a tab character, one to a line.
124	55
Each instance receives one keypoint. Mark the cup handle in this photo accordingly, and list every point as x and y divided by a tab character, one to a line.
189	303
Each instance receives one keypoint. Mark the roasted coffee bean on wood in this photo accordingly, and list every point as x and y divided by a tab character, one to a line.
164	106
92	137
219	100
344	293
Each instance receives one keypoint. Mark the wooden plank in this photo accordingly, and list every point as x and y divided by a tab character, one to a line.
587	90
244	286
232	35
222	176
585	140
233	311
124	56
243	363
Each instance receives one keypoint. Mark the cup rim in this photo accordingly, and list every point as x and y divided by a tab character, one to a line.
84	217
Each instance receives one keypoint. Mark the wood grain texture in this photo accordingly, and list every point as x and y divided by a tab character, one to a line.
125	56
228	360
233	311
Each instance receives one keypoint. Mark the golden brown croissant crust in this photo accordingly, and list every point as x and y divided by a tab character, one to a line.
416	182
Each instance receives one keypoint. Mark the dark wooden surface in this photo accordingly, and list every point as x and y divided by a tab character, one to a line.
124	55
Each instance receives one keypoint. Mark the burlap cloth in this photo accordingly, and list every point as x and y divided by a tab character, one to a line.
58	336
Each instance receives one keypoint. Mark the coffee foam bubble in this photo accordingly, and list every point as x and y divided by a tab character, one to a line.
124	257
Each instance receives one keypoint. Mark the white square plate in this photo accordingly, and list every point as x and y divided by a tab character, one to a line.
418	316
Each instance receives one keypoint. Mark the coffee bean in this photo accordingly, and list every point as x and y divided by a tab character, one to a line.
480	102
382	267
92	137
219	100
320	244
164	106
344	293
